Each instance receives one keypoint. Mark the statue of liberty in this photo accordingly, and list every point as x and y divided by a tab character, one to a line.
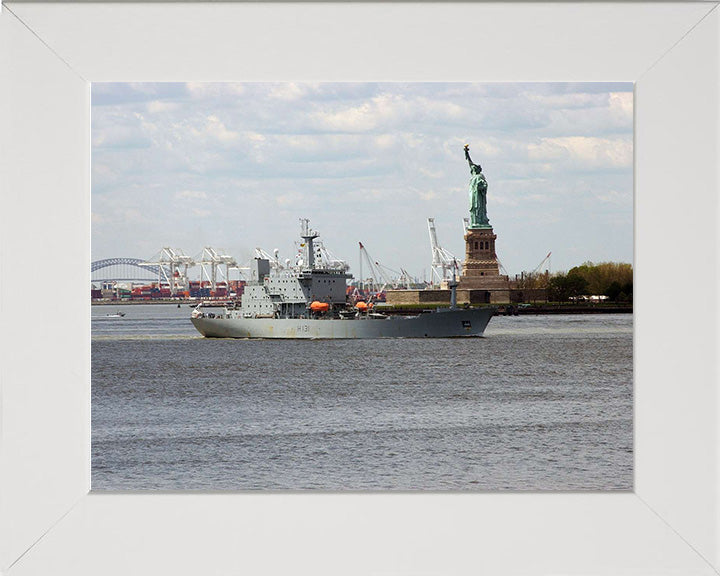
478	194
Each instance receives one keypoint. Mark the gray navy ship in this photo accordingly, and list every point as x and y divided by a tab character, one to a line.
309	300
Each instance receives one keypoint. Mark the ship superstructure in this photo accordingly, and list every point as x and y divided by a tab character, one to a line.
290	292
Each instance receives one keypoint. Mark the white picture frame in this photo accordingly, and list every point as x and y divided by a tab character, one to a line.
51	524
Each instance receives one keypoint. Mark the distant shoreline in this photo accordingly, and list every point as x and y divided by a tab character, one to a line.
503	309
566	309
143	302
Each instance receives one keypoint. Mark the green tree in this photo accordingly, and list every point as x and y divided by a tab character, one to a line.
563	287
601	276
628	290
614	290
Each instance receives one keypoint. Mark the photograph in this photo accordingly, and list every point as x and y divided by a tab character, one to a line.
369	286
363	288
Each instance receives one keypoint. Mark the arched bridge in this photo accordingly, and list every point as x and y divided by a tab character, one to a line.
123	269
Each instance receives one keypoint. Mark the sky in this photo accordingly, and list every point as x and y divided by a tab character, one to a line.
235	166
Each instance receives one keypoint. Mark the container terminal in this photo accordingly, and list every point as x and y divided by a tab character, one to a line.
173	278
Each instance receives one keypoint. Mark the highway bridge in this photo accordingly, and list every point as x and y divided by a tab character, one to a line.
124	270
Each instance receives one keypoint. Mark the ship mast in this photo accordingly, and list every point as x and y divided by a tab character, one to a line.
308	235
453	284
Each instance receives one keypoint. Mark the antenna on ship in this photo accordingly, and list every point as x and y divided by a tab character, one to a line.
308	235
453	284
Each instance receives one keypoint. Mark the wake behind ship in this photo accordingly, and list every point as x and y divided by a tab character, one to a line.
309	301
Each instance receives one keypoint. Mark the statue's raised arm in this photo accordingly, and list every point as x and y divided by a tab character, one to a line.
470	162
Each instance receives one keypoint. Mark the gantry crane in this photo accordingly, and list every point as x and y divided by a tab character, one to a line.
168	262
215	259
442	260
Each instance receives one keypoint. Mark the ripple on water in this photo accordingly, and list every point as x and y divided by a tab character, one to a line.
541	403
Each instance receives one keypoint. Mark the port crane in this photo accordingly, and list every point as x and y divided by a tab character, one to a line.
382	276
375	273
539	266
322	257
274	258
442	260
215	259
500	266
328	259
401	277
169	261
536	279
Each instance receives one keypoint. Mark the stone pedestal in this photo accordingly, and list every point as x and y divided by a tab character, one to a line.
480	257
481	270
479	283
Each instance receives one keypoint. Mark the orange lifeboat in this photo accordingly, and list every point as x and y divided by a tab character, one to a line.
362	306
319	306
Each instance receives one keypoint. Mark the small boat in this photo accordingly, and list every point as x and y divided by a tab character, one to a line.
116	315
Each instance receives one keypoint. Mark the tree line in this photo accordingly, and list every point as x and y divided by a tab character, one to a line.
611	279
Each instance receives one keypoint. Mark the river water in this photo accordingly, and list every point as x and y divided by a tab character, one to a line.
539	403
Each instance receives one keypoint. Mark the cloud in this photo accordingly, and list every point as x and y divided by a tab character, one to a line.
621	107
214	90
191	195
480	148
431	173
352	119
120	130
386	141
503	200
615	197
428	195
157	106
357	156
584	152
387	110
288	199
132	214
216	129
288	91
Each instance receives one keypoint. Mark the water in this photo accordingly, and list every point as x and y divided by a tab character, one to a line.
540	403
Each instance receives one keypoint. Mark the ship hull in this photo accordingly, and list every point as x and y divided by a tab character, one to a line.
445	323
